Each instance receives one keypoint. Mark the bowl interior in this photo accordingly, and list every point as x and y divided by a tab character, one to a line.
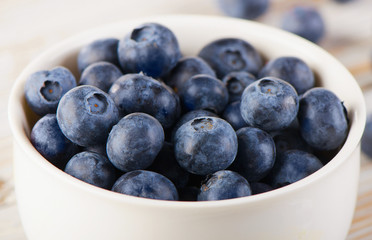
193	32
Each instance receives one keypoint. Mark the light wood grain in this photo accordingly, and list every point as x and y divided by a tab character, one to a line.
28	27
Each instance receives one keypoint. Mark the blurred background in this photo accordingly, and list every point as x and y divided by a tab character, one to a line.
29	27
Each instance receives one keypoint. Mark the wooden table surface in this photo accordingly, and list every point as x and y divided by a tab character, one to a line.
28	27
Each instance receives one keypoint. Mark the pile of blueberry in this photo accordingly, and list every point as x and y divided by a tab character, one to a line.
303	20
146	121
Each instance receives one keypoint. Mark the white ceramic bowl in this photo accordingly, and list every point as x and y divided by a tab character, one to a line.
56	206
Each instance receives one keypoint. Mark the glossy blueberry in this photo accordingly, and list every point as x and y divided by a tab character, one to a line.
140	93
104	49
224	184
366	142
259	187
44	89
304	21
189	116
186	68
290	69
323	120
288	139
236	82
101	75
146	184
166	164
92	168
291	166
247	9
256	154
204	92
135	142
86	114
233	116
227	55
269	104
49	141
205	145
150	48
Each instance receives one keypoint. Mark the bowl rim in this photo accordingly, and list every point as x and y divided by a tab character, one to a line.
15	113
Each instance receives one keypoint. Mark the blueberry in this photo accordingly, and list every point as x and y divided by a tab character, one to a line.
256	154
290	139
290	69
186	68
204	92
343	1
44	89
150	48
236	82
270	104
304	21
104	49
247	9
140	93
101	75
49	141
189	116
224	184
205	145
227	55
134	142
366	142
259	187
233	116
92	168
146	184
323	120
166	164
86	114
291	166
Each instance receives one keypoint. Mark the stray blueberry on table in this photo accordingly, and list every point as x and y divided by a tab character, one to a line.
366	142
247	9
305	22
44	89
146	184
224	184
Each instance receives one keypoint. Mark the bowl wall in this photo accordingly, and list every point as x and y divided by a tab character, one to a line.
54	205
